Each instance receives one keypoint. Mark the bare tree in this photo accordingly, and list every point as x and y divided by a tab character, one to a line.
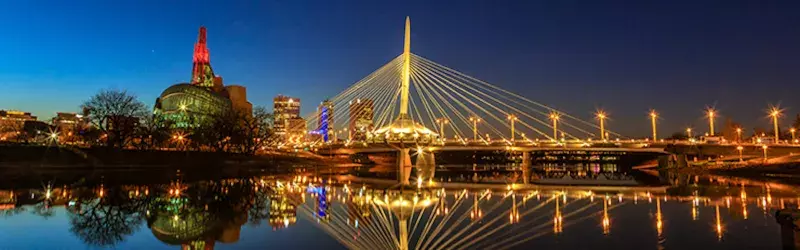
255	131
116	113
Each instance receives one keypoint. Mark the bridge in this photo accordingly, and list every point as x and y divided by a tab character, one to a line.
415	106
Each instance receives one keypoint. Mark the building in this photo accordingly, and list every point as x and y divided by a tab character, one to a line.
68	125
360	122
12	123
325	126
286	111
296	130
187	105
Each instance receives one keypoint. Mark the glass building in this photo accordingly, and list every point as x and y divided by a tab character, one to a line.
187	105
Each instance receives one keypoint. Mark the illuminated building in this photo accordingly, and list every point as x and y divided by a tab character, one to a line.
68	125
296	129
12	121
188	104
361	114
287	115
325	119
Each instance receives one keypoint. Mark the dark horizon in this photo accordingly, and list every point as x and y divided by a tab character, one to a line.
677	58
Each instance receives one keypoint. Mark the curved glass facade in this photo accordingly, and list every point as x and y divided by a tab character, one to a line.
187	105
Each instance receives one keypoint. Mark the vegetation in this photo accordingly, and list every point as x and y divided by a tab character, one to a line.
116	113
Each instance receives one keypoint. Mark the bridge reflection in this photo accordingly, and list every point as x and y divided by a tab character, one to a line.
375	213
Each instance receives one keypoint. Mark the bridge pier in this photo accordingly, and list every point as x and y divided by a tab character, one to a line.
403	166
526	167
426	165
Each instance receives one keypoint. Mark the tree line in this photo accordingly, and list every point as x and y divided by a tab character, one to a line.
118	119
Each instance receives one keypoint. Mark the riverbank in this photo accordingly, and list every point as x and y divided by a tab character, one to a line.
62	157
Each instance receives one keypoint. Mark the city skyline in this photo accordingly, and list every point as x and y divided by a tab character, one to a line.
739	88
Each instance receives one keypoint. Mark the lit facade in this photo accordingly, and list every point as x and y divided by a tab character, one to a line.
12	121
361	115
286	111
68	125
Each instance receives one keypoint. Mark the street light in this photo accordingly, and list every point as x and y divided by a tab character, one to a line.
512	119
442	122
739	134
793	130
740	148
774	112
475	120
765	152
689	132
710	112
653	116
602	117
554	117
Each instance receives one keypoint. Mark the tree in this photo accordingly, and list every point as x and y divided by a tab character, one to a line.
153	132
256	129
116	113
107	221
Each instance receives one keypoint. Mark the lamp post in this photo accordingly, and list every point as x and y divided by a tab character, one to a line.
442	122
689	132
765	151
740	148
554	117
775	113
793	130
711	113
512	119
739	134
602	117
475	121
653	116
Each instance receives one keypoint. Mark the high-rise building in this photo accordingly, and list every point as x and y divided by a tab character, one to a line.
286	110
361	114
187	105
325	120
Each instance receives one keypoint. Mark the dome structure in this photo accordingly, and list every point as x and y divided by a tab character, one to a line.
187	105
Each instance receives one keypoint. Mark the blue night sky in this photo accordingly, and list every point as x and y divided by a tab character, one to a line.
577	56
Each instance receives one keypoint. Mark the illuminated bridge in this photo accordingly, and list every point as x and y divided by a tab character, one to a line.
415	106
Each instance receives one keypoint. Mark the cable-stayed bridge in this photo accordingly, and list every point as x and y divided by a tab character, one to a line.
416	100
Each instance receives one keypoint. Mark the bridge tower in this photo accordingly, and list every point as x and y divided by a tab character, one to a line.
403	129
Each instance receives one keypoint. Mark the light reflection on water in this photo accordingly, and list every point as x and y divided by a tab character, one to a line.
474	208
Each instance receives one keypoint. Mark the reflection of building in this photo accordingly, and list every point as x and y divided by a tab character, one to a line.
188	104
287	117
361	114
194	228
282	211
325	120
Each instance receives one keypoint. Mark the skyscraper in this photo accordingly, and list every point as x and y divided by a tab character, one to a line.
325	120
286	111
361	114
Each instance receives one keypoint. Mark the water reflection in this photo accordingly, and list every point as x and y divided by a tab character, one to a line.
370	213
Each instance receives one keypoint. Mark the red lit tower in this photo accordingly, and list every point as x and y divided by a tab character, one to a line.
202	74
